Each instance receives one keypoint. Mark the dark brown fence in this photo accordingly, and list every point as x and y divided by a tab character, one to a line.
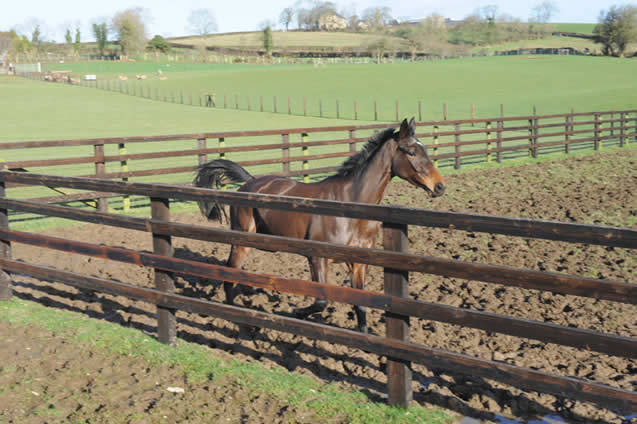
394	259
451	143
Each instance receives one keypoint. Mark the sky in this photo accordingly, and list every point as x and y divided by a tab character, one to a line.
170	18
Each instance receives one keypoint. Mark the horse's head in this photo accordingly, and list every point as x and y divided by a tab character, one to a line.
411	162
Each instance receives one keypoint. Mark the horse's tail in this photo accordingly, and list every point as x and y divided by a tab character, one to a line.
211	175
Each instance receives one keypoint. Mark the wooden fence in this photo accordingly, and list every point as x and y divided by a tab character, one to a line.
397	263
451	143
367	110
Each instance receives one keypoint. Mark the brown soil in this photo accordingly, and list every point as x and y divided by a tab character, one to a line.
603	194
52	380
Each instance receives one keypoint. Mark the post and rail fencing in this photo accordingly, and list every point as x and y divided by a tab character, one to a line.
333	108
289	152
394	258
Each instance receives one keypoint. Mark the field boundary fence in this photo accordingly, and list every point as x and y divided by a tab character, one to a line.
307	153
393	258
308	106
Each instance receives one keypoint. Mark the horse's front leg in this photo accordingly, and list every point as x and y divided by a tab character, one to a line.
318	268
359	271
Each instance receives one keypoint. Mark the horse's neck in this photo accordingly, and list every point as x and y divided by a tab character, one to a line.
370	184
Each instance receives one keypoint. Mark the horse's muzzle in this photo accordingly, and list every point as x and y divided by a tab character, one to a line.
439	190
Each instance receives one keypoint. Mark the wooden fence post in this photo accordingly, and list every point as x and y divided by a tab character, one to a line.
473	113
123	164
397	112
419	111
530	131
375	111
5	247
498	144
396	283
225	101
489	142
100	171
355	110
304	106
444	111
289	106
249	104
261	103
436	129
306	164
236	101
622	122
535	133
457	145
162	245
352	145
275	104
201	145
338	109
321	108
567	136
285	153
612	124
597	142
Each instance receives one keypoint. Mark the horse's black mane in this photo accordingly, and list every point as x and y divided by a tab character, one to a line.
356	163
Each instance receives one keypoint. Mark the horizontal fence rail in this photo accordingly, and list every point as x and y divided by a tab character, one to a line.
399	307
591	340
311	152
433	358
550	230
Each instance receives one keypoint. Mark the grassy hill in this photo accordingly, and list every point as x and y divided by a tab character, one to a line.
290	40
573	27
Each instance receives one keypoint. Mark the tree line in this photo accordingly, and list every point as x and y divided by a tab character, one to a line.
126	33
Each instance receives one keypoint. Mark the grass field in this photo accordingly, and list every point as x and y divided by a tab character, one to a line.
554	84
574	27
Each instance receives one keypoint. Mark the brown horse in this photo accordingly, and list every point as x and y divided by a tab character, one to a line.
364	177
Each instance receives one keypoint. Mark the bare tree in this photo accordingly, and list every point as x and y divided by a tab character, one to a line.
286	17
130	30
376	17
543	12
202	22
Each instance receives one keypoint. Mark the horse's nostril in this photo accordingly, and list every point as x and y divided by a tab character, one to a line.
439	188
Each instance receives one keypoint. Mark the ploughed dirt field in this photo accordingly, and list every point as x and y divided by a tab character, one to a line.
587	189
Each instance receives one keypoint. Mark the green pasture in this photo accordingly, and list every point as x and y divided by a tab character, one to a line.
574	27
35	110
555	84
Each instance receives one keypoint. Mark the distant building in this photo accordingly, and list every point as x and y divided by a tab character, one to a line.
332	22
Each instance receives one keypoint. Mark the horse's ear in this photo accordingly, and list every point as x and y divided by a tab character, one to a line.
412	122
404	129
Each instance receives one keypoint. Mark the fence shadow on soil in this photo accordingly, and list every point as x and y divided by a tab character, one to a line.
462	386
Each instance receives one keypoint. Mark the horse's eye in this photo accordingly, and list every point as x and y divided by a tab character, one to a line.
407	151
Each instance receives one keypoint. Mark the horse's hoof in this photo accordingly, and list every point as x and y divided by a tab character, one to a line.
302	312
306	312
246	290
363	329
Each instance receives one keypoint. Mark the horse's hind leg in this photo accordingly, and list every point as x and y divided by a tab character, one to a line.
359	271
242	219
237	256
318	268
